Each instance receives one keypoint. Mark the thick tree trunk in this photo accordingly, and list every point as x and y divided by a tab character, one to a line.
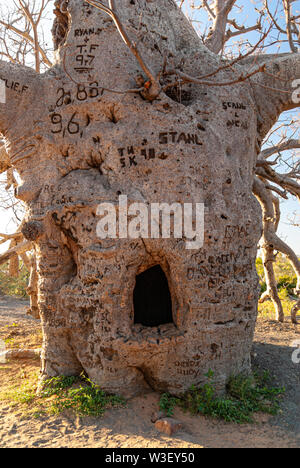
86	132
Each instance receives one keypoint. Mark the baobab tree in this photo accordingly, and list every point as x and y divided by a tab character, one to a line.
137	105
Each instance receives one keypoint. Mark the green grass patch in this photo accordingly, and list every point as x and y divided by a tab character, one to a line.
79	394
246	395
16	393
167	404
57	385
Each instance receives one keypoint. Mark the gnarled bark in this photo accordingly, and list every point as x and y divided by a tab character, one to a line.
96	135
274	91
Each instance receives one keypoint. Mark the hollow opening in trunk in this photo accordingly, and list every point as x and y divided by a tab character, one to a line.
152	298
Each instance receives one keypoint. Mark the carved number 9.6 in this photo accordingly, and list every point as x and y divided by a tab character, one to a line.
72	127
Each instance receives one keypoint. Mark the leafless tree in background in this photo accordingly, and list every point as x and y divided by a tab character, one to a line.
22	37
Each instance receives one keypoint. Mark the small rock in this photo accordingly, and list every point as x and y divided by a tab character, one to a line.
13	429
168	426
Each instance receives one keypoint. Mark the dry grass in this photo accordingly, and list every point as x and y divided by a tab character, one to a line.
18	386
18	379
267	309
17	336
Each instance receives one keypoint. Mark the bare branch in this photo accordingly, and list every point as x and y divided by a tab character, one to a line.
287	10
24	34
18	249
152	89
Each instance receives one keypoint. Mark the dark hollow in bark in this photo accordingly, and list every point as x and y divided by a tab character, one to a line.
152	298
32	230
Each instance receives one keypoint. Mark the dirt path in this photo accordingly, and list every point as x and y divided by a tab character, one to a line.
131	427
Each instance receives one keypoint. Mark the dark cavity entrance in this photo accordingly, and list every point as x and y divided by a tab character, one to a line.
152	299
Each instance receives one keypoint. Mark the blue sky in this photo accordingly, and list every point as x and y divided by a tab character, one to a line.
245	13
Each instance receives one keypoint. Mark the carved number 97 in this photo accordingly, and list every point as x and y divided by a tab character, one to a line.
72	127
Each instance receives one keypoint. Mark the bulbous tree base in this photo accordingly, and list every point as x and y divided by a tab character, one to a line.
94	136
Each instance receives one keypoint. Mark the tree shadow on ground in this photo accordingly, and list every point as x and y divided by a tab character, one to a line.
277	360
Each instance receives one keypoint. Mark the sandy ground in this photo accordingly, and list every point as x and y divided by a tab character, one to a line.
131	427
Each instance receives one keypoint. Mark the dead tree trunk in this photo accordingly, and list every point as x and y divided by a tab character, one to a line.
270	225
136	105
294	312
32	289
270	243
